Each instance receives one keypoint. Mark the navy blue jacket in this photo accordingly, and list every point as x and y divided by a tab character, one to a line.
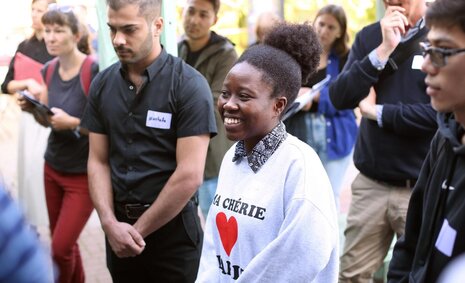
395	151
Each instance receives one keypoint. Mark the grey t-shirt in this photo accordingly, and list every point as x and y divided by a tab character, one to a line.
65	151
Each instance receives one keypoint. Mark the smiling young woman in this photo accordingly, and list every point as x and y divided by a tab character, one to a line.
273	196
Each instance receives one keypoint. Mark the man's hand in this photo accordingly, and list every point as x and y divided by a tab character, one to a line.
124	239
393	27
368	106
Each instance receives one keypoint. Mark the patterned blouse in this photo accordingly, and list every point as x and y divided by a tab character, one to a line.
263	149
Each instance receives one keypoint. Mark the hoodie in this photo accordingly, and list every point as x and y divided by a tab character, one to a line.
435	226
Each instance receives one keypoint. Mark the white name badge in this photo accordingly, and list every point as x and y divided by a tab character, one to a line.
446	239
417	62
158	120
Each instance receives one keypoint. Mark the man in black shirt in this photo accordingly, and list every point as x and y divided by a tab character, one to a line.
150	118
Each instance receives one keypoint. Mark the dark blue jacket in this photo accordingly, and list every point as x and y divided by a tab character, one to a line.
395	151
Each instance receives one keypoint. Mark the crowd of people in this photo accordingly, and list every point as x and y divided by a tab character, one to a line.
194	172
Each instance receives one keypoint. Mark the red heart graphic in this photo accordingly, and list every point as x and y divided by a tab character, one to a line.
228	231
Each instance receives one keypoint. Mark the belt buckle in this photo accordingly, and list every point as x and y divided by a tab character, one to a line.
128	208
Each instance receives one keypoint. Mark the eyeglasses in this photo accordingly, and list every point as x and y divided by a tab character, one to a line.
60	8
438	56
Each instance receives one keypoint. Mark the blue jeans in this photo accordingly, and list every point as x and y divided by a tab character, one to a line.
206	194
316	138
316	134
336	170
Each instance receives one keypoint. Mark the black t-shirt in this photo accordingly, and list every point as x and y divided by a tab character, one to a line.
143	128
193	56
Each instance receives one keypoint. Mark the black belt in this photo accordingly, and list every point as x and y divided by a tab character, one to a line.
408	183
135	210
131	210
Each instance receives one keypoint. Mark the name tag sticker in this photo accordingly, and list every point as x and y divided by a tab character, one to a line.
446	239
158	120
417	62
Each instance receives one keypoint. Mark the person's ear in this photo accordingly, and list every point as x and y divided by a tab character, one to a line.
157	26
280	105
215	20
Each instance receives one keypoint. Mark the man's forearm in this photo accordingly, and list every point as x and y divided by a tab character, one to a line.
353	85
191	153
172	199
101	192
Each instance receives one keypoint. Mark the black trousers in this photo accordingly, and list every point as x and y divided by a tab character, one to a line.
171	254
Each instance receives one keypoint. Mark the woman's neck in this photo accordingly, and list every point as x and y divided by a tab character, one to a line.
70	64
39	34
323	59
71	59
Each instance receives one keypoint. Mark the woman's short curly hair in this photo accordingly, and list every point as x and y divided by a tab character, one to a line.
289	56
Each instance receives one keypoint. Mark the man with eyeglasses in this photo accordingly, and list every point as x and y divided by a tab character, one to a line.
435	226
397	126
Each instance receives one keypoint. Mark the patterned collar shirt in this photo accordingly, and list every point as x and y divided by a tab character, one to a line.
411	32
263	149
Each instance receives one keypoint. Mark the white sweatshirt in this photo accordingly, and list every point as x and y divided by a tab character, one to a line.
276	225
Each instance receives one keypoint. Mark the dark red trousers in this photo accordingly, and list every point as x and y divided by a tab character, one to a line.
69	207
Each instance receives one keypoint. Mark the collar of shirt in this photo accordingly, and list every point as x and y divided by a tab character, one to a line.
414	30
151	71
263	149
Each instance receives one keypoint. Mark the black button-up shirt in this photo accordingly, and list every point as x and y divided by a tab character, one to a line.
174	101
